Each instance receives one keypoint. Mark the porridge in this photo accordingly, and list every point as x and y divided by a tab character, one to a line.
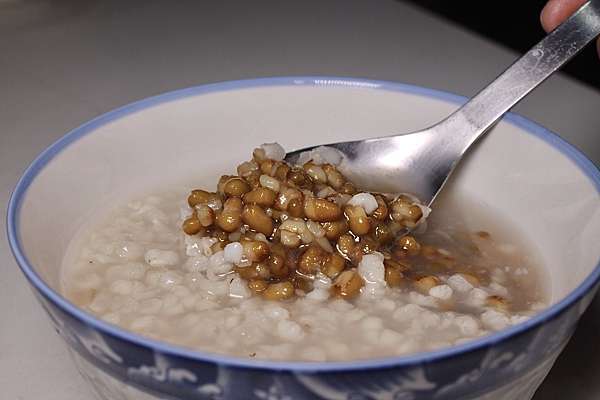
289	262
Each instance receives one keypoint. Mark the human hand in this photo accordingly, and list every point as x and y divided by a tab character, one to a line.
556	11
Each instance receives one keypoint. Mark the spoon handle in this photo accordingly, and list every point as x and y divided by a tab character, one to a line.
469	122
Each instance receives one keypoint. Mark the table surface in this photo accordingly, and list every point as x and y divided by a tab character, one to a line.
65	62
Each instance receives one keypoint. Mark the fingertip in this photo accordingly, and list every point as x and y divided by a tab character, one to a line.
556	11
546	16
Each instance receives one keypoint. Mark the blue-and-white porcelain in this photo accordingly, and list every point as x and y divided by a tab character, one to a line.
522	171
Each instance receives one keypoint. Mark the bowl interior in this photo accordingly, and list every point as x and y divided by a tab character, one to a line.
199	133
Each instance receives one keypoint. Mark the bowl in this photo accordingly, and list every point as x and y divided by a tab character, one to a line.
525	173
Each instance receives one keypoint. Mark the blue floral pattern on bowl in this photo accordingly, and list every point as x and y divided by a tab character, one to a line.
465	376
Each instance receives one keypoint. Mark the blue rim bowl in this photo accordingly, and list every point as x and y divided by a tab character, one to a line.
56	300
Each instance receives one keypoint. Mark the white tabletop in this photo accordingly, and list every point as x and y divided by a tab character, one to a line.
62	63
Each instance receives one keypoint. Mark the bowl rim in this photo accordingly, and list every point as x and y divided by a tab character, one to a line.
585	166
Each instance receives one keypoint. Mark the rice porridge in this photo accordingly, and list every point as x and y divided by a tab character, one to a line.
294	263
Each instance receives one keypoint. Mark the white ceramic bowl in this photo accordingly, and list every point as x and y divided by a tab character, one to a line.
521	172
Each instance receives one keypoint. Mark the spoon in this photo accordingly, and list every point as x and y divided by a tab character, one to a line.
420	162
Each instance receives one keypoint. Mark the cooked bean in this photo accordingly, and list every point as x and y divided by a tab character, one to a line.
259	154
279	291
282	201
277	215
297	177
405	212
247	168
415	213
218	246
357	219
198	196
246	273
335	229
236	187
278	249
206	216
257	286
368	245
334	177
295	208
261	196
409	245
234	203
230	219
254	271
214	202
222	182
381	212
269	182
277	266
321	210
220	235
393	276
297	226
262	270
255	250
266	166
315	172
289	239
383	234
356	254
281	172
253	179
400	209
334	264
192	225
345	244
347	285
425	283
257	219
302	283
311	260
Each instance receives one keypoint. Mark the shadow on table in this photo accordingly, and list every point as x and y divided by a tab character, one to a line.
576	374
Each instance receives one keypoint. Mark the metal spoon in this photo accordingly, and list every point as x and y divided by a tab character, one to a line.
421	162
